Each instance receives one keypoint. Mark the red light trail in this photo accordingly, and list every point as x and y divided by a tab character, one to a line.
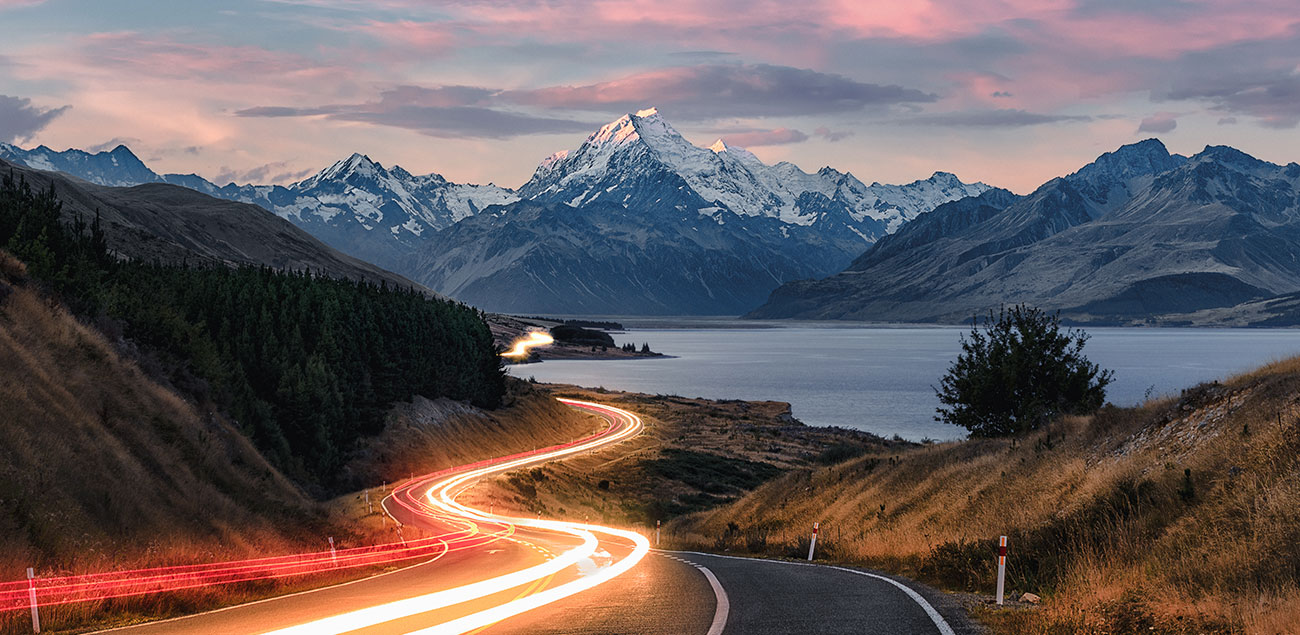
429	500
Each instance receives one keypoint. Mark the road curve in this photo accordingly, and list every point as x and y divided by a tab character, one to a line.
670	594
525	576
511	565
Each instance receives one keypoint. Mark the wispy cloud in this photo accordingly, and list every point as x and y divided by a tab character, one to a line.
759	138
710	91
20	120
1002	118
446	111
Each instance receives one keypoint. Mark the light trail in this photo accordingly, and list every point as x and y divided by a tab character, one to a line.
440	497
429	498
534	339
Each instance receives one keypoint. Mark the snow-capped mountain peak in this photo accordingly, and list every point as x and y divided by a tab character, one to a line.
719	147
356	165
628	161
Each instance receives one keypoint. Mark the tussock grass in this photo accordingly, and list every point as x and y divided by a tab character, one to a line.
1181	515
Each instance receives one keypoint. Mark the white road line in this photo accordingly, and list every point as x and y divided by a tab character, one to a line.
724	605
939	622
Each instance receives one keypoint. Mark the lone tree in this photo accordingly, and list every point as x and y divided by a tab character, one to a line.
1019	372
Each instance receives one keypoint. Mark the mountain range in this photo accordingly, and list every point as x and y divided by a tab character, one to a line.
173	224
1137	236
637	219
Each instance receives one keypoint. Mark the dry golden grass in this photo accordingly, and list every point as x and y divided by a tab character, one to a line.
1179	516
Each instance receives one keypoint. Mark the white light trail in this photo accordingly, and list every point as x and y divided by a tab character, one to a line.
442	496
534	339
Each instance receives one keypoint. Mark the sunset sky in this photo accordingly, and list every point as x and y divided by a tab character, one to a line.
1007	92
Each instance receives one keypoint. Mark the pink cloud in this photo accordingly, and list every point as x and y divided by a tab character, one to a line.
160	57
425	37
757	138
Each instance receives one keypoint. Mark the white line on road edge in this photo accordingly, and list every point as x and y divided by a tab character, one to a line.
723	609
724	605
939	622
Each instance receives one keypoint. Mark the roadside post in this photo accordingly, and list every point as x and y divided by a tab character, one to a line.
1002	566
333	554
813	544
31	595
657	523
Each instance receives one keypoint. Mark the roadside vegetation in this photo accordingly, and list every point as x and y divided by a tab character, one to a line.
305	365
1181	515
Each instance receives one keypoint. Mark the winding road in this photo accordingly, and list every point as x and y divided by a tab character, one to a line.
495	574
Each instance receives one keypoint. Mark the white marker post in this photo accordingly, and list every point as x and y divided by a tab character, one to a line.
333	554
1002	566
657	523
31	594
813	545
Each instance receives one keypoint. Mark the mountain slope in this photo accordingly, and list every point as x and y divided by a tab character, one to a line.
602	258
639	220
1137	234
711	230
355	205
174	224
102	463
620	162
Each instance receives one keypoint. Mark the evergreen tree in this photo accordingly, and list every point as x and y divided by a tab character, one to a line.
1017	373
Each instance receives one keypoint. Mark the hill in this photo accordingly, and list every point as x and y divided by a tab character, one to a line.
173	224
101	463
1177	516
1137	236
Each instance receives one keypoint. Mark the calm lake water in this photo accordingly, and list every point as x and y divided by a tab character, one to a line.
879	378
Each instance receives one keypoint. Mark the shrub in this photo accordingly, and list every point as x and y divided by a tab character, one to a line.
1019	372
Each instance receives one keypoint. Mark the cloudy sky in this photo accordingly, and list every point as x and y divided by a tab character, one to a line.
1010	92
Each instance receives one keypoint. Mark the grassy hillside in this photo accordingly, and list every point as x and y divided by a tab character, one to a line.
100	466
1179	516
307	365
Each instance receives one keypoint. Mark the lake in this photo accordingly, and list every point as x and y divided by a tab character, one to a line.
879	378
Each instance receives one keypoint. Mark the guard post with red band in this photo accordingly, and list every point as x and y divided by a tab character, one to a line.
1002	565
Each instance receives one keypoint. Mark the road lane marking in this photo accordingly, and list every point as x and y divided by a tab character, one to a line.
939	622
724	606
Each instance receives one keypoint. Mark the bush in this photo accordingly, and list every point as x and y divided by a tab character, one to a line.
1019	372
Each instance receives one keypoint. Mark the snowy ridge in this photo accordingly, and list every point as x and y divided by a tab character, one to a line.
355	193
634	147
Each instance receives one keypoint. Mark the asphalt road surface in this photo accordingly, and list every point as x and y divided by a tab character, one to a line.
536	577
668	594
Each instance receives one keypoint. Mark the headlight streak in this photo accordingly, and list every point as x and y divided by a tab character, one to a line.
534	339
441	497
